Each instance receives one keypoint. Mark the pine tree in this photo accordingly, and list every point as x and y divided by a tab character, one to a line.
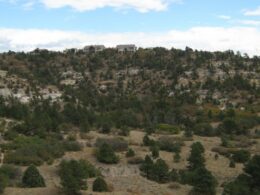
100	185
155	151
106	154
32	178
196	158
147	165
204	182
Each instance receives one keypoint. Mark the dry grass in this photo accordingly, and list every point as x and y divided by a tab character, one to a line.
125	177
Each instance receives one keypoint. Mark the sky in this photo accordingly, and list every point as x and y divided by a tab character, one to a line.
213	25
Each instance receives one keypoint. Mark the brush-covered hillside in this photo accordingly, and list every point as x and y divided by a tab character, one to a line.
154	121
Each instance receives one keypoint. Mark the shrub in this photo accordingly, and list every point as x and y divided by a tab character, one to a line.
33	150
240	186
106	128
204	129
135	160
241	156
106	154
10	135
130	153
73	175
117	144
188	133
147	141
155	151
100	185
170	144
168	128
247	183
186	176
3	183
252	168
124	131
10	171
71	146
173	175
32	178
224	141
158	171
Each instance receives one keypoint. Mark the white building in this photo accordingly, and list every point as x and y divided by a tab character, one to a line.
126	48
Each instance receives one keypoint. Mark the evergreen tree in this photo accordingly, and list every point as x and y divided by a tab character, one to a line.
147	165
73	175
196	158
146	140
160	171
252	168
155	151
204	182
32	178
100	185
106	154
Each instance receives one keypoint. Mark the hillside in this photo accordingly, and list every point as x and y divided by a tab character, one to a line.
161	104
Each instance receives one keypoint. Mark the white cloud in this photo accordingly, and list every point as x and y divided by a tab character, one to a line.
255	12
250	22
28	5
85	5
224	17
243	39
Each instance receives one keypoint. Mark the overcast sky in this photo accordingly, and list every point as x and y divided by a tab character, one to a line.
200	24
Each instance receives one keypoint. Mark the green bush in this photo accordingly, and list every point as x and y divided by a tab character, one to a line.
10	171
71	146
158	171
204	182
130	153
168	128
33	150
117	144
174	175
3	182
106	154
248	182
241	186
147	141
155	151
100	185
169	144
135	160
73	175
241	156
8	176
124	131
204	129
32	178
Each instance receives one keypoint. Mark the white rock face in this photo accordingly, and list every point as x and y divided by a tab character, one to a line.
120	170
5	92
